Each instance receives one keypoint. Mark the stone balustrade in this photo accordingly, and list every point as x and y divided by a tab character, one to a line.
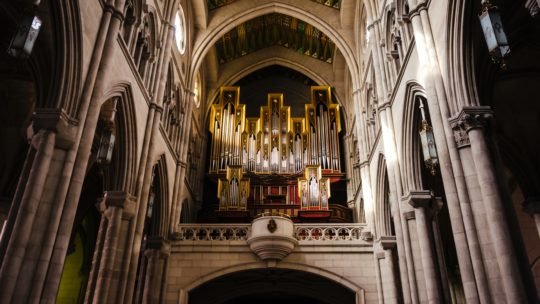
240	232
213	232
329	232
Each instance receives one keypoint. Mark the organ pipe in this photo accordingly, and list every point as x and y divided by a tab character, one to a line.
275	142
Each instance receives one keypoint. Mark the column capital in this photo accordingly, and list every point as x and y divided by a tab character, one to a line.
386	242
158	245
57	121
119	199
471	118
419	198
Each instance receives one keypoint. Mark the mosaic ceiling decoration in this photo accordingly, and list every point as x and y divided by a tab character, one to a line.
275	29
213	4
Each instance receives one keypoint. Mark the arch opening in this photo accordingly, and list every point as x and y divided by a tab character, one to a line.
272	285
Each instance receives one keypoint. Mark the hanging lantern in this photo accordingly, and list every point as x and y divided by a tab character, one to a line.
27	32
496	40
428	147
106	147
150	208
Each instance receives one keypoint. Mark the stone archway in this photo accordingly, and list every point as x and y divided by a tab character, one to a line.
270	285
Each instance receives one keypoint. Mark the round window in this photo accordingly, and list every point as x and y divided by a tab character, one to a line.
180	30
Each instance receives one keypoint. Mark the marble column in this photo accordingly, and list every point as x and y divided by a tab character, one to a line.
473	120
421	200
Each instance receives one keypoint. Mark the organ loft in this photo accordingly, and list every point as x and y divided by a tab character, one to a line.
276	163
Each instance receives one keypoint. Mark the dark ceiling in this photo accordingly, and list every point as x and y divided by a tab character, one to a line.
295	86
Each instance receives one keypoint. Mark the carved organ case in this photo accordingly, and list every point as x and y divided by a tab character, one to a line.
290	160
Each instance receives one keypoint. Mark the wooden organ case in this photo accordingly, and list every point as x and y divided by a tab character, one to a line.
276	163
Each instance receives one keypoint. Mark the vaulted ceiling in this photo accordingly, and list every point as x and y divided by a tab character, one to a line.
275	29
213	4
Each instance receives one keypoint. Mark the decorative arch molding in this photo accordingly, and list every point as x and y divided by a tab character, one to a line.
221	23
126	142
68	55
308	66
282	265
461	67
411	174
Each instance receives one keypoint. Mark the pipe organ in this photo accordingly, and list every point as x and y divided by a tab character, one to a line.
289	158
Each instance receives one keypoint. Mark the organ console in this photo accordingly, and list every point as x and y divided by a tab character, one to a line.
275	158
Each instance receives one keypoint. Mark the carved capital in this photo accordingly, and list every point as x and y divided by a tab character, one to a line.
472	118
461	137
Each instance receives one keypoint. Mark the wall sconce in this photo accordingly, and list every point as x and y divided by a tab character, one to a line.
428	147
23	42
496	40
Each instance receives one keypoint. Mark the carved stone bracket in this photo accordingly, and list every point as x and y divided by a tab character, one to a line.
387	242
419	198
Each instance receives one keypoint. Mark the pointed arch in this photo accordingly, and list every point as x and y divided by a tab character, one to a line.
411	174
212	34
383	218
161	203
126	143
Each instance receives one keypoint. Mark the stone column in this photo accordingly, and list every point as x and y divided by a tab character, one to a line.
473	121
473	219
77	157
157	252
421	201
118	205
378	256
455	192
43	141
406	215
390	285
394	176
